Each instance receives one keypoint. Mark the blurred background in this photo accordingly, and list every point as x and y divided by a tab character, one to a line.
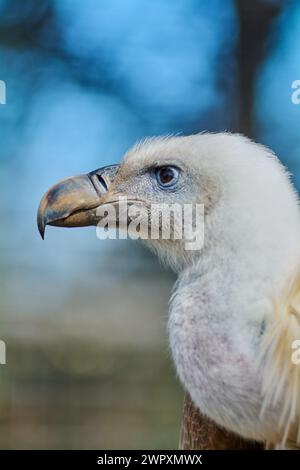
84	321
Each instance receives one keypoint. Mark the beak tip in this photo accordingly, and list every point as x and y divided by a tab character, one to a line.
41	226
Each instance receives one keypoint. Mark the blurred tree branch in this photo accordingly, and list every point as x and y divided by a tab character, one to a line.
256	19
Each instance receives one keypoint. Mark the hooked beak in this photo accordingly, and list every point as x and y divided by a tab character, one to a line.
73	202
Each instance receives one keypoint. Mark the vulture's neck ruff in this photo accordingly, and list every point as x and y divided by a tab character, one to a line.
234	312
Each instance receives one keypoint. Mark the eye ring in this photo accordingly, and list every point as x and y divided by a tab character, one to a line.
167	176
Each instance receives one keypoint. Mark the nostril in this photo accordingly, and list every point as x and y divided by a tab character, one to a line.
98	182
102	182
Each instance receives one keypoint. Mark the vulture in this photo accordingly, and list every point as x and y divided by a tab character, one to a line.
234	316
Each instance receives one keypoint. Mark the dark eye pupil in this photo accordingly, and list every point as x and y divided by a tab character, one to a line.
166	175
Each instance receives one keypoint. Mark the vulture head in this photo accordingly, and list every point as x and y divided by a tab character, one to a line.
230	322
155	176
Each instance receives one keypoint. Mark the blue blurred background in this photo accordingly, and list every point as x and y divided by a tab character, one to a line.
88	364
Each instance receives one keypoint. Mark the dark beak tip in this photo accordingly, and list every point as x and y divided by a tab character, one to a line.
41	226
42	235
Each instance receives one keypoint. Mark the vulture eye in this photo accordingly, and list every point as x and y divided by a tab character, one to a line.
167	176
